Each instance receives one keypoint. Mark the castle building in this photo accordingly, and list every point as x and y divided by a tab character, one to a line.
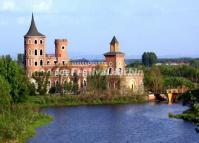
60	67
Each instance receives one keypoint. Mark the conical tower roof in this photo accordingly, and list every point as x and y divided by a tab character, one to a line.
33	29
114	41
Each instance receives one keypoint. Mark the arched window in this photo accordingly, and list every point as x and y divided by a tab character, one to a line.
29	62
57	83
35	63
110	71
35	52
41	41
29	41
63	47
35	41
41	52
49	83
120	70
48	62
85	84
41	62
29	51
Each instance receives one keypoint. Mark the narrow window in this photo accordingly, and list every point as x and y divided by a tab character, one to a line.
29	52
35	52
62	47
120	70
49	72
29	62
41	63
110	70
41	41
41	52
35	63
64	72
63	62
48	62
35	41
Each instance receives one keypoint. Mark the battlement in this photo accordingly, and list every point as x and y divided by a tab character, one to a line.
88	63
60	40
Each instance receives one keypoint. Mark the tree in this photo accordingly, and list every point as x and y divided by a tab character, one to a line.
153	80
5	97
20	59
68	86
97	82
75	80
149	58
175	82
41	79
15	76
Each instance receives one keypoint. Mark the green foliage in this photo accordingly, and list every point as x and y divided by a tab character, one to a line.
136	64
41	79
192	115
108	98
18	122
20	59
175	82
68	86
97	82
75	79
15	76
185	71
5	97
153	80
191	97
149	58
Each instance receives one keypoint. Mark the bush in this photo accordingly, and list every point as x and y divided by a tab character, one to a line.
4	92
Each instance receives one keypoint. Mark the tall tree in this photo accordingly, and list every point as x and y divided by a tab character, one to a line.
149	58
41	79
20	59
5	97
153	80
15	76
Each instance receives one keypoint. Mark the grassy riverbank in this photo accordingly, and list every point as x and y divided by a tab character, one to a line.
190	98
18	122
190	115
76	100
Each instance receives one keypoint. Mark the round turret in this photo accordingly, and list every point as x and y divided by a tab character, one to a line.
61	51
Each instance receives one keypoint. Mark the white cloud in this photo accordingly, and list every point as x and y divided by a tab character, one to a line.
8	5
42	6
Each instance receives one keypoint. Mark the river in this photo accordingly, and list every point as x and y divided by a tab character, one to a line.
145	123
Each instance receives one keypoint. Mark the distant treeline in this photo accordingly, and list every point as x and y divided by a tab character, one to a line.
164	60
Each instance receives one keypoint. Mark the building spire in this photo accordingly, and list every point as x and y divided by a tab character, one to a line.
33	29
114	41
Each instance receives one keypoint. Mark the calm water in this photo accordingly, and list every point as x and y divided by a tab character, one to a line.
148	123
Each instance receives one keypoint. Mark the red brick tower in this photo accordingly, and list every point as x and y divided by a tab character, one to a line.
61	51
115	58
34	49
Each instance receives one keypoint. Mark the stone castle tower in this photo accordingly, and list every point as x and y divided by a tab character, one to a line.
114	58
61	51
34	49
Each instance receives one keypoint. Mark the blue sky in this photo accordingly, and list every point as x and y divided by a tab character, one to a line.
167	27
